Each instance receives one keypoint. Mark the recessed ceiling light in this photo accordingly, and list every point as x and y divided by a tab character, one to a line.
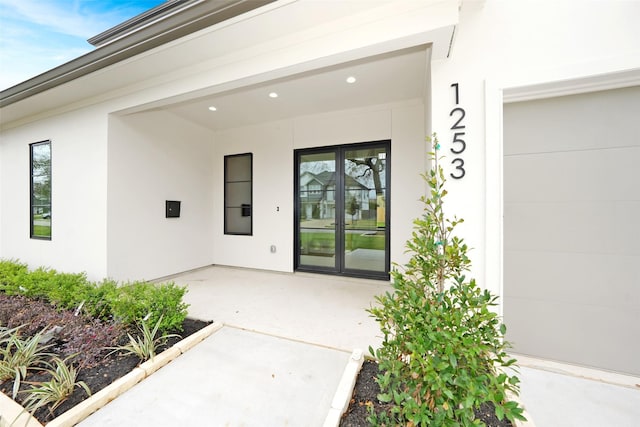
273	95
212	108
351	79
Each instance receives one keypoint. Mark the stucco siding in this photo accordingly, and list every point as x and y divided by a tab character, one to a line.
154	157
78	145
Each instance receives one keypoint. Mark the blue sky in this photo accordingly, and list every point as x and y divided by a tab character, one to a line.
38	35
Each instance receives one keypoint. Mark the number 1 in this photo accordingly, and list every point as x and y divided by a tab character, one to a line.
455	86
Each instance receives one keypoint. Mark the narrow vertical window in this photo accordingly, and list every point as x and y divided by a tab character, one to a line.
40	169
238	194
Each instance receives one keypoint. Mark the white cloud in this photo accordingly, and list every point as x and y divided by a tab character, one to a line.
64	17
38	35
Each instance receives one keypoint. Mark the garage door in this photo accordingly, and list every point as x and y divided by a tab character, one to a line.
572	228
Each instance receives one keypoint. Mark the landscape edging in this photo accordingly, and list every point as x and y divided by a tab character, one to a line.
118	387
343	393
11	413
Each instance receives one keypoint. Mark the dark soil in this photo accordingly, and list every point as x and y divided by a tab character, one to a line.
87	337
365	395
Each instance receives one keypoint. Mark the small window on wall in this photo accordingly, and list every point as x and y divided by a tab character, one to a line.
238	194
40	170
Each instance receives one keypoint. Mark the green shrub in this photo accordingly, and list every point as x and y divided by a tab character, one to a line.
10	273
100	299
443	352
67	290
167	306
62	289
128	303
138	300
37	283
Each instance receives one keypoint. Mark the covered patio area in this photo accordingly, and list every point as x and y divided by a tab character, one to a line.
318	309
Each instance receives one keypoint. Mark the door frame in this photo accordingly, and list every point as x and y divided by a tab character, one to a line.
340	270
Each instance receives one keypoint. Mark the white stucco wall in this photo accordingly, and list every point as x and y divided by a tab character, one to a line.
78	156
507	44
498	45
153	157
331	34
272	145
272	148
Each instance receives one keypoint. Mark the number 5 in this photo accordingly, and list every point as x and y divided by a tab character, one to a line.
456	139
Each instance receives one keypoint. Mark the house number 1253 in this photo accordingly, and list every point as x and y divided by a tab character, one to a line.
458	144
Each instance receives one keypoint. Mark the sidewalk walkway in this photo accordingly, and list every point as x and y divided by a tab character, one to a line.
233	378
286	342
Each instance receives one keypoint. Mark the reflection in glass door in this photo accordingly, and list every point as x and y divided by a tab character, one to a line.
317	210
342	215
365	214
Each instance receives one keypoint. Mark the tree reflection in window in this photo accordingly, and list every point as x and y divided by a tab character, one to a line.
40	162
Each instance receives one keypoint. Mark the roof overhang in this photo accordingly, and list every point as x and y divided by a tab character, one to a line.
297	47
151	29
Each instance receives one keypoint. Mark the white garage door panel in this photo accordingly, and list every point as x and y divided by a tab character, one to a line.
588	335
572	228
573	278
566	117
607	174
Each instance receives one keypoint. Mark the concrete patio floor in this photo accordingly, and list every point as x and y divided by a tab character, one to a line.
288	335
318	309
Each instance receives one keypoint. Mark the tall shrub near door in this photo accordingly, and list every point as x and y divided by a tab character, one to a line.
443	353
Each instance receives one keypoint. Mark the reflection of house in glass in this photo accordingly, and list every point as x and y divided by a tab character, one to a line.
317	197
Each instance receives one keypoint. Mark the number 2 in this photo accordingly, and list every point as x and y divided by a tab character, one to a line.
457	124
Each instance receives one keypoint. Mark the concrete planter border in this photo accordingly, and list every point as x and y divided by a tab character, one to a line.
347	383
10	410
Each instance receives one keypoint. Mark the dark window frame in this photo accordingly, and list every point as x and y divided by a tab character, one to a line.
33	206
339	270
226	196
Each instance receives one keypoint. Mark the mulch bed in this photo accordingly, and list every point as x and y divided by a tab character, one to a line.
87	337
366	392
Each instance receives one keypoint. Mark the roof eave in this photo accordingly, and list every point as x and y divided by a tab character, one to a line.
151	16
189	20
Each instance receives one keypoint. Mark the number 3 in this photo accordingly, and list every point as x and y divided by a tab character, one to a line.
459	167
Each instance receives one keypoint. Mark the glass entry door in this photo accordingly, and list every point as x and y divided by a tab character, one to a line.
342	215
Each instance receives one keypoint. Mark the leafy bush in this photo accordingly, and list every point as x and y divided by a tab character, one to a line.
10	273
128	303
443	353
99	299
162	304
63	289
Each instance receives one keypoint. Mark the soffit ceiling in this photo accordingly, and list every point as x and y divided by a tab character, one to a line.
394	77
308	88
